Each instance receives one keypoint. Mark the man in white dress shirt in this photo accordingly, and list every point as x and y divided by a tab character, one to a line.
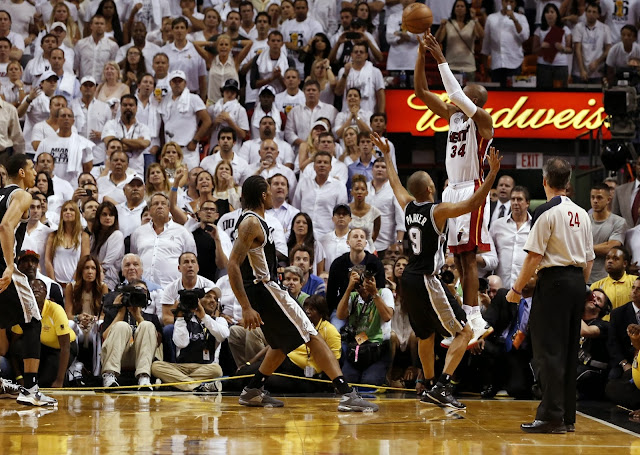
509	234
226	142
135	136
502	207
281	210
130	211
268	165
301	118
91	116
318	196
185	117
381	196
335	243
504	33
92	52
161	242
250	150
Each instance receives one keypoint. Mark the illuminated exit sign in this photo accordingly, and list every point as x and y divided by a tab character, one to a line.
529	161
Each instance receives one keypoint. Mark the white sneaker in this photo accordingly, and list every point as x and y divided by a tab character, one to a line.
33	397
109	380
9	389
446	342
144	383
481	329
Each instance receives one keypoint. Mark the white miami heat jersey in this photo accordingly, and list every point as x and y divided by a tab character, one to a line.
466	150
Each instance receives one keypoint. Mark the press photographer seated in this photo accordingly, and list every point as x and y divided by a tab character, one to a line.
197	330
365	337
130	336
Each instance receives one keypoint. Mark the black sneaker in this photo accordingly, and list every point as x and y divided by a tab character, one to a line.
258	398
441	396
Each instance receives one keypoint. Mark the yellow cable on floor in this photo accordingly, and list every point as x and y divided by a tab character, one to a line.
226	378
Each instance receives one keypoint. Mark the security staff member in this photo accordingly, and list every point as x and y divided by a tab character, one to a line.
561	245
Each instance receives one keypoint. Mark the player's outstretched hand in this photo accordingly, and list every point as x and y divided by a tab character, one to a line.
432	45
381	142
494	159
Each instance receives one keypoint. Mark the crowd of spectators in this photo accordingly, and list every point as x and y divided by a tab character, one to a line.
145	118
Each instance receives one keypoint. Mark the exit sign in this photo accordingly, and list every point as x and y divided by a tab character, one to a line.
529	161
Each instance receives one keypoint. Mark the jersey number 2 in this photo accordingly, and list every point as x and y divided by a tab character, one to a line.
415	237
573	219
455	151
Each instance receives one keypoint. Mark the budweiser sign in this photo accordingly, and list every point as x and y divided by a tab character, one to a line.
517	114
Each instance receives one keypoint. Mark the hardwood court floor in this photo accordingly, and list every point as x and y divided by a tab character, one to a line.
172	423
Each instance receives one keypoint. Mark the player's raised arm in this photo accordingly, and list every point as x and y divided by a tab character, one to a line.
402	195
470	103
451	210
421	88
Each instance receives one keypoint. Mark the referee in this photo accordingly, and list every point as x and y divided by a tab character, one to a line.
561	246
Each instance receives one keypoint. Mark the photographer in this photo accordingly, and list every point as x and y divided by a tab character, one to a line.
368	311
130	336
189	279
593	357
197	328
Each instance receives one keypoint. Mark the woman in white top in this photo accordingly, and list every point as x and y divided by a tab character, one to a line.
66	245
13	92
461	31
171	159
45	185
354	115
351	150
112	87
552	43
224	66
107	243
225	186
302	234
364	215
156	181
83	303
321	72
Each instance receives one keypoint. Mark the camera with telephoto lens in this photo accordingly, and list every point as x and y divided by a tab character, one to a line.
189	299
133	296
447	276
365	272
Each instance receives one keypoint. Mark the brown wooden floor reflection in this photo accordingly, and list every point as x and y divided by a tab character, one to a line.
165	423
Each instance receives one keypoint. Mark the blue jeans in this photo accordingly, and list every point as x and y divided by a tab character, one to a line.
168	348
374	374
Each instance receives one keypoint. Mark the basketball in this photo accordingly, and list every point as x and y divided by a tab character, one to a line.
417	18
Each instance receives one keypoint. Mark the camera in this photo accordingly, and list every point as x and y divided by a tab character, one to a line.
447	276
189	299
133	296
365	272
354	35
208	227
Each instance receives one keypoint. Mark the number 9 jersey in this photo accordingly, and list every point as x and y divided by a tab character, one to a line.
427	242
466	150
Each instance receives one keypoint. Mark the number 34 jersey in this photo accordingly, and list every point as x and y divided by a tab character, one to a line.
466	150
426	240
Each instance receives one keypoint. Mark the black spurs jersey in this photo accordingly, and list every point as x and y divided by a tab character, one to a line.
261	264
427	252
6	195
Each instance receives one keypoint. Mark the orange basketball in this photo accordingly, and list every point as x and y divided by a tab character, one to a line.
417	18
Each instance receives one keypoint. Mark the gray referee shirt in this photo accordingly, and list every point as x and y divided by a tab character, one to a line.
561	233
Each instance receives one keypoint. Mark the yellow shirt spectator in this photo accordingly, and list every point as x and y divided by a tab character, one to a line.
618	291
54	324
302	357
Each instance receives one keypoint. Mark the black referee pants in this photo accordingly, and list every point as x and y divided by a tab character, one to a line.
556	310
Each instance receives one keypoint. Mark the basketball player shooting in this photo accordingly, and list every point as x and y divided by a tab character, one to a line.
470	134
